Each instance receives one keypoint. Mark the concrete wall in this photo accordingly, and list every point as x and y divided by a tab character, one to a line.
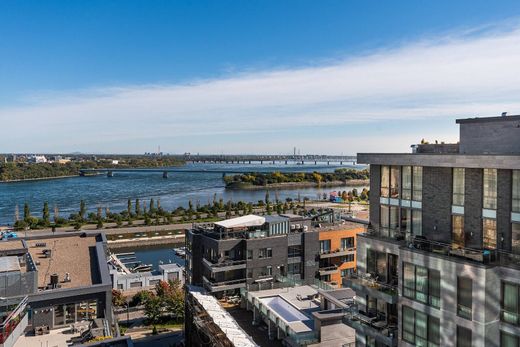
497	137
278	245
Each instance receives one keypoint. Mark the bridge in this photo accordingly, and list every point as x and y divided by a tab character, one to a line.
267	158
165	171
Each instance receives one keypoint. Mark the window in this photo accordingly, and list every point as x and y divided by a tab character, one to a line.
464	297
463	337
489	236
420	329
490	189
347	243
394	218
385	181
394	181
347	258
376	265
417	222
269	270
457	230
510	301
294	269
325	246
515	241
249	254
458	186
421	284
417	183
294	251
347	272
265	253
407	182
508	340
516	191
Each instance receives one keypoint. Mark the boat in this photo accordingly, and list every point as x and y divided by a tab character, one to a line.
142	268
181	251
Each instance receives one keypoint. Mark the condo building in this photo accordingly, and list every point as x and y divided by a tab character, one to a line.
440	262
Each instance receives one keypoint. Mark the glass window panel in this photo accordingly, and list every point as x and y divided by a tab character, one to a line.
434	331
408	324
421	284
417	183
70	313
409	280
515	242
385	181
458	231
434	282
510	303
384	218
417	222
489	233
516	190
508	340
395	180
458	186
421	329
463	337
407	182
381	267
58	315
371	261
490	189
464	297
394	218
406	221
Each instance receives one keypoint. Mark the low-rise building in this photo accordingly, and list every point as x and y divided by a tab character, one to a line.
133	281
65	278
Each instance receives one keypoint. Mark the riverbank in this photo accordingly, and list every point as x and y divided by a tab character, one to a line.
174	240
47	178
297	185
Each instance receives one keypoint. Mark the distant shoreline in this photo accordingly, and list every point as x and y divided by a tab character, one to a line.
291	185
43	178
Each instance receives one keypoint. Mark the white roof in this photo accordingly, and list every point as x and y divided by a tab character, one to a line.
222	318
250	220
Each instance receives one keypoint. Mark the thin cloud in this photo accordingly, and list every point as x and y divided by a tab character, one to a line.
475	73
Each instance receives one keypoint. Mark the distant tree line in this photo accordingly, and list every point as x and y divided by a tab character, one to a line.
19	171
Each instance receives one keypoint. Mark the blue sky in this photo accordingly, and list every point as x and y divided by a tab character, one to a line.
251	76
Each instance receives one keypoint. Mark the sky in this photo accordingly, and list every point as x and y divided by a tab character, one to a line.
328	77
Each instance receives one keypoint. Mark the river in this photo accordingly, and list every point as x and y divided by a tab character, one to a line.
176	190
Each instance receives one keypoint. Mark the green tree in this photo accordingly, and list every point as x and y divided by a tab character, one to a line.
153	308
82	209
267	197
152	206
129	208
26	212
46	216
137	208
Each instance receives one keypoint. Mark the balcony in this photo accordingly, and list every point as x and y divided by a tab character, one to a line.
380	330
213	286
338	252
224	265
328	270
394	236
365	284
491	257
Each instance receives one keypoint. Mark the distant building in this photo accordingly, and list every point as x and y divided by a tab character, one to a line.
37	159
145	280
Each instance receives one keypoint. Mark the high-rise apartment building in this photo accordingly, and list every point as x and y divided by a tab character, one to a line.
440	263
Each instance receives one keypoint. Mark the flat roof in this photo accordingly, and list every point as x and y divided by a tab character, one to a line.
488	119
11	245
339	226
222	318
245	221
9	264
72	254
475	161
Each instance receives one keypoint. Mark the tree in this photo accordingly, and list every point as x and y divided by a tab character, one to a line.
129	208
26	212
46	214
152	205
56	214
82	209
267	197
153	307
137	208
118	299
